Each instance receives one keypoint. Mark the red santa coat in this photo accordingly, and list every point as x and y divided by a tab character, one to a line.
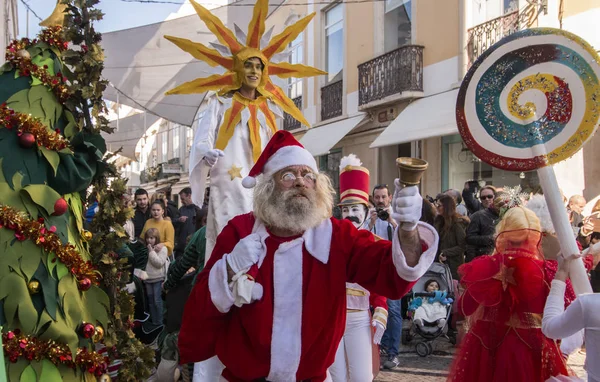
293	331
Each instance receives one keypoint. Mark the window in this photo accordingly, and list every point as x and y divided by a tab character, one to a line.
175	139
164	144
330	165
189	140
296	57
154	155
334	43
397	24
485	10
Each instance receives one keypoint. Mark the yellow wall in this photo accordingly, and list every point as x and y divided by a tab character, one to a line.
573	7
359	40
437	29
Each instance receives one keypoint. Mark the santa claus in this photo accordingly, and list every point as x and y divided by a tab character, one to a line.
357	357
271	301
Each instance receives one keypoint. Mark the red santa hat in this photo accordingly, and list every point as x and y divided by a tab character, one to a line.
283	150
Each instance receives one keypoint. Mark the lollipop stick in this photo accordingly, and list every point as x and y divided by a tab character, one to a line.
564	232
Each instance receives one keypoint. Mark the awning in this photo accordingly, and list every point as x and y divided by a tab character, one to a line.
428	117
131	130
319	140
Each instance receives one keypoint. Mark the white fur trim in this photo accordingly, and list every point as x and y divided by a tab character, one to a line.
249	182
220	294
428	235
538	205
289	156
350	160
286	339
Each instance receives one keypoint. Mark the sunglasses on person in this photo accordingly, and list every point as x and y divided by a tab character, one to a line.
484	197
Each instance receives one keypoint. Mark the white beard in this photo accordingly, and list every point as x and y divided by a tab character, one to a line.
287	211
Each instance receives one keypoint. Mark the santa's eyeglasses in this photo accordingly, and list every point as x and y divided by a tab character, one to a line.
289	178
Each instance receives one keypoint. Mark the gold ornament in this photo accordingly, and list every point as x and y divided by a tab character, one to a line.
33	286
104	378
98	334
57	17
23	53
86	235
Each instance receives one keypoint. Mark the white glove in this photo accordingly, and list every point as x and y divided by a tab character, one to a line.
407	205
130	288
245	253
379	330
594	249
212	156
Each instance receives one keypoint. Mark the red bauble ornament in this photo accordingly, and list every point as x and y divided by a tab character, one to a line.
60	207
87	330
85	284
26	140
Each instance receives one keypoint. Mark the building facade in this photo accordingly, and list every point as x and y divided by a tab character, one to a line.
9	23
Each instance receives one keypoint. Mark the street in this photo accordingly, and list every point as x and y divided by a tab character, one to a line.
434	368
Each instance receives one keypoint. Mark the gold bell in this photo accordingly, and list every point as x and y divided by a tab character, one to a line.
411	170
86	235
104	378
33	286
98	334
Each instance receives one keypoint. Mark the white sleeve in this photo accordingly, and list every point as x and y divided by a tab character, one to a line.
559	323
220	291
430	238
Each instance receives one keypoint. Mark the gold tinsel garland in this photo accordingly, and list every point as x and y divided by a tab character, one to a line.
36	231
18	56
52	140
17	345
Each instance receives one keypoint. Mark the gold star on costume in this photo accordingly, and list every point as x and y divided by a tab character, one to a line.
232	79
235	172
506	276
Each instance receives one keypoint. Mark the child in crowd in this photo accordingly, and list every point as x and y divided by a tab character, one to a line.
433	309
156	268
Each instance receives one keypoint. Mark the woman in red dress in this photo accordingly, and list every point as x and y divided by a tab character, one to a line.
503	300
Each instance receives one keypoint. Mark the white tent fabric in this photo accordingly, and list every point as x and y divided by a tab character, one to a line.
130	130
142	65
319	140
428	117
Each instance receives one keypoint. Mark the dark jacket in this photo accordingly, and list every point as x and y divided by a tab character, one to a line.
139	219
187	228
480	234
173	212
193	256
453	244
471	201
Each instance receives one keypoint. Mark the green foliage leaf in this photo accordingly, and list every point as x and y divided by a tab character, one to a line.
28	375
50	372
52	157
51	109
61	270
49	290
71	303
30	259
74	201
19	101
7	67
18	300
97	306
71	129
16	369
45	59
42	195
9	196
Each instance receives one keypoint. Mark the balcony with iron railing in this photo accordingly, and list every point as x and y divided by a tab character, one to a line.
331	100
483	36
391	77
289	123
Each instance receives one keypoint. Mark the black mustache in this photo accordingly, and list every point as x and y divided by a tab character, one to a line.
353	219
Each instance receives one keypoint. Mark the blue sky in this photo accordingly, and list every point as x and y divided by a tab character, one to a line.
117	14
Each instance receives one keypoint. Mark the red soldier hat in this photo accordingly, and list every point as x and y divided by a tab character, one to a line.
354	182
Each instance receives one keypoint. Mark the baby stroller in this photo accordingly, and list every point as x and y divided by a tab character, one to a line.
430	330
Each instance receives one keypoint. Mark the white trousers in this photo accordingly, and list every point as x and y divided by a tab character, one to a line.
354	357
208	371
221	379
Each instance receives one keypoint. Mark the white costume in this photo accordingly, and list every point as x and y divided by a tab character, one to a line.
430	312
228	198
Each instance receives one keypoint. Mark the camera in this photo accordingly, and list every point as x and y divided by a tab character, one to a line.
382	213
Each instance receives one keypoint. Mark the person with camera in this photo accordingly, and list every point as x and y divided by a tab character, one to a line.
381	224
469	195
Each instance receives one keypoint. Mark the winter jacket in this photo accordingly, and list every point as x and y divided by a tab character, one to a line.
480	234
453	244
193	256
157	265
471	201
187	228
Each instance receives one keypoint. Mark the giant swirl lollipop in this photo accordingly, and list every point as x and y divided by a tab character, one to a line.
528	102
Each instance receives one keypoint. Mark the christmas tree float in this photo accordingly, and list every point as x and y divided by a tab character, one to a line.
61	296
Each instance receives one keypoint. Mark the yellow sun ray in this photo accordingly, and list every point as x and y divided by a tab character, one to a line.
201	52
289	34
224	34
269	116
287	70
254	127
216	82
232	117
256	28
279	97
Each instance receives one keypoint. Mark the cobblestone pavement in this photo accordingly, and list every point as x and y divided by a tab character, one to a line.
434	368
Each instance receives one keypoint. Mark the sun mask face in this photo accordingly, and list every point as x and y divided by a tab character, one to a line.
356	213
253	69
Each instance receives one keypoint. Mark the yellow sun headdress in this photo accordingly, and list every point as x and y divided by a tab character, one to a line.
231	55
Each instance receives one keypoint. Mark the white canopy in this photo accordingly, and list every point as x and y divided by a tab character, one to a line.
130	130
319	140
